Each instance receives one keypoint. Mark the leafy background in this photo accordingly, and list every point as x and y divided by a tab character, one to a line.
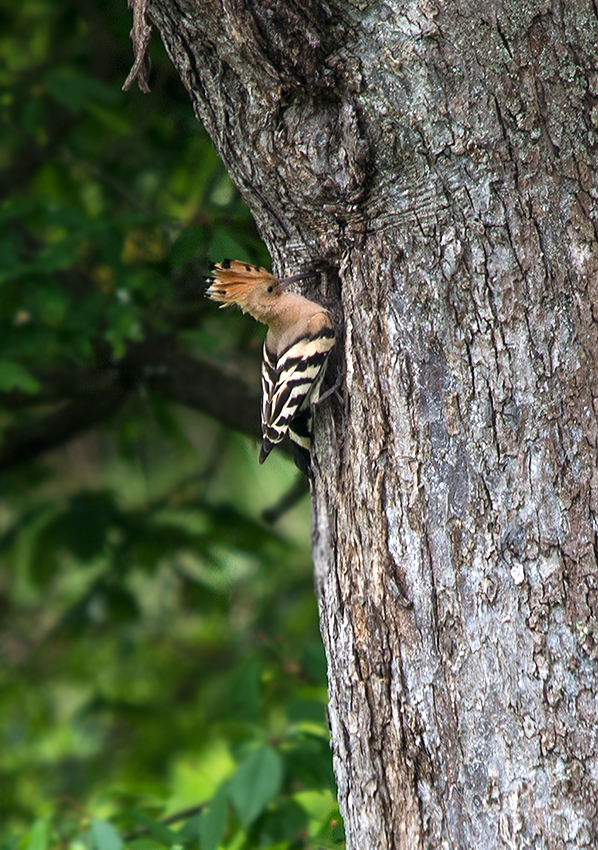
162	681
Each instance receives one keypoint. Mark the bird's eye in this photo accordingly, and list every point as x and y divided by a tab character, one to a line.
270	289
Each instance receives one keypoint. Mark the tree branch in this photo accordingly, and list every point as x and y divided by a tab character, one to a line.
184	814
195	383
26	443
211	389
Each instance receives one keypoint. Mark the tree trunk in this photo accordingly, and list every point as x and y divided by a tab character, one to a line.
438	163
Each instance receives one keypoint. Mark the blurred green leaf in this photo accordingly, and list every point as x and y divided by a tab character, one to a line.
184	248
223	244
159	831
13	376
72	88
14	208
313	660
145	844
285	821
213	821
82	528
306	710
38	836
308	761
111	119
245	691
104	836
255	783
189	832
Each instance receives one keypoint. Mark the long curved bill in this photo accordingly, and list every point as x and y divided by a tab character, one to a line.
286	281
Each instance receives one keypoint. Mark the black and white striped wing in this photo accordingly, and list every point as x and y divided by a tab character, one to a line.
291	386
269	383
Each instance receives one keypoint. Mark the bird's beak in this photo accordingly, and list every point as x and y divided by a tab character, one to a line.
286	281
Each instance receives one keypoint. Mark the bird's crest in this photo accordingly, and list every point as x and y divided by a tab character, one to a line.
234	279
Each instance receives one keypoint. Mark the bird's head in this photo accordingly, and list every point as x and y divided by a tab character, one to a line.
252	288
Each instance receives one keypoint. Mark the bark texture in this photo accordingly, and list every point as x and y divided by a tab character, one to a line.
438	163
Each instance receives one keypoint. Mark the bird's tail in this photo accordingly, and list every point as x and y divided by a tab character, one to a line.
300	432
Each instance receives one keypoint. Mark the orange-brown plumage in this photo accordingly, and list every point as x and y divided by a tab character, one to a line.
235	281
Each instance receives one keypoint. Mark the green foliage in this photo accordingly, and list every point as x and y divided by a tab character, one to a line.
256	782
162	682
104	836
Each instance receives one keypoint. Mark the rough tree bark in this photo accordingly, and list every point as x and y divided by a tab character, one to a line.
438	162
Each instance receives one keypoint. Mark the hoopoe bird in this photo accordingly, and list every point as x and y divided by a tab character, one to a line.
295	354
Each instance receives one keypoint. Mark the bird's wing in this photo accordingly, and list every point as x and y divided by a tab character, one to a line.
269	382
290	385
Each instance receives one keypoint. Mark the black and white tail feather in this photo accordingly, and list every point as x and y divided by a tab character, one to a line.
296	350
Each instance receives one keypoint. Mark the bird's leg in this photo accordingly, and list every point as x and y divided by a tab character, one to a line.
331	390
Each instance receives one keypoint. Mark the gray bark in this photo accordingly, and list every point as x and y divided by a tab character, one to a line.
438	163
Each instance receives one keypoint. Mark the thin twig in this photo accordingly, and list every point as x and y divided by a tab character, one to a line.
140	36
184	814
287	501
